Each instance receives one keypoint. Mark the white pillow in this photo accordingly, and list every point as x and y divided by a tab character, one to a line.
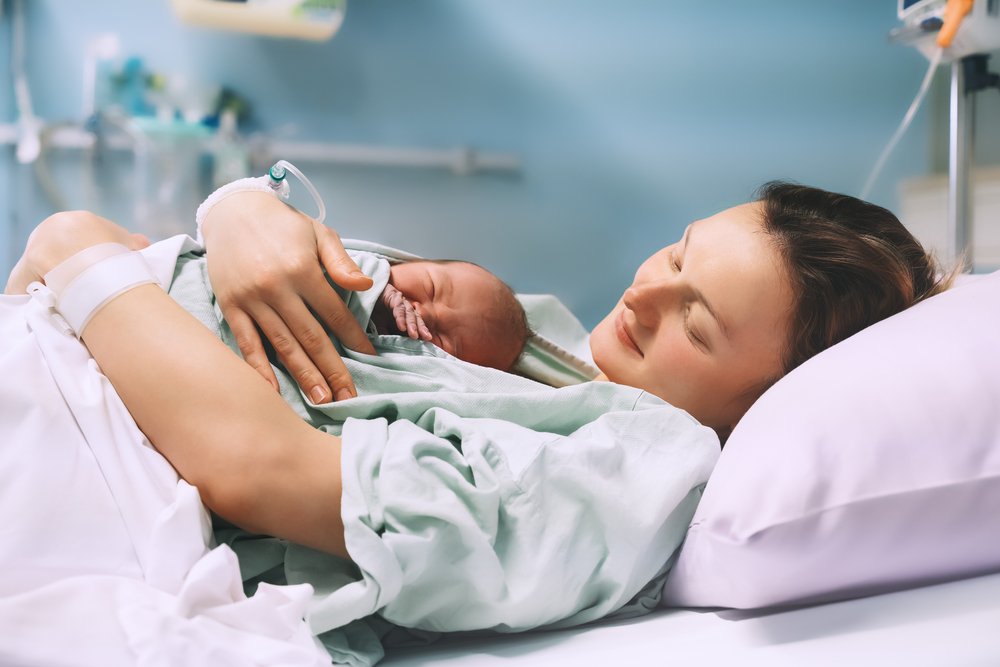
873	466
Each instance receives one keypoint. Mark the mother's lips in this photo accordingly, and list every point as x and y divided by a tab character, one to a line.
624	335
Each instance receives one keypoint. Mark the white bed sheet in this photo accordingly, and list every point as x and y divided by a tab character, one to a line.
956	624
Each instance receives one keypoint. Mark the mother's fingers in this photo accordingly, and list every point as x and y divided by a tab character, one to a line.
248	340
304	348
337	262
335	315
290	353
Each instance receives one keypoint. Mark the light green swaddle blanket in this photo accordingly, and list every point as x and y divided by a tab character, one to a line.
476	499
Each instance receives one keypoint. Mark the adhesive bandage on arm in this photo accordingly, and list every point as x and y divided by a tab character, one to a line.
87	281
58	278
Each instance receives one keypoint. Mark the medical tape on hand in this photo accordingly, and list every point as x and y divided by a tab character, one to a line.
96	285
252	184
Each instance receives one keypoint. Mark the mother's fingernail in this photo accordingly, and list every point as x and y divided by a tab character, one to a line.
318	394
344	394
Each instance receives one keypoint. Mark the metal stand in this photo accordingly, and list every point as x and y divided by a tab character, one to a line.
968	76
962	109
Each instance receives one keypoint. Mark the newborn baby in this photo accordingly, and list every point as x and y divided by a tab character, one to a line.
460	307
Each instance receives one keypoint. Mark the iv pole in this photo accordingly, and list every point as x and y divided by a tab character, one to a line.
961	128
969	75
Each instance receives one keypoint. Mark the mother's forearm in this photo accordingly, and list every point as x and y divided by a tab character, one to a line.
255	462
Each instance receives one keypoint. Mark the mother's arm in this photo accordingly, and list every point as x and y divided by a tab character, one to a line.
254	461
265	263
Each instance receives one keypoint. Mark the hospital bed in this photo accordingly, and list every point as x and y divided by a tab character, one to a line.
854	517
954	624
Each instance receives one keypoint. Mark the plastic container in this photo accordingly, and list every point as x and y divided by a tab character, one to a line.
168	175
300	19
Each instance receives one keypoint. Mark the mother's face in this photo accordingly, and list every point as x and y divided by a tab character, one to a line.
705	321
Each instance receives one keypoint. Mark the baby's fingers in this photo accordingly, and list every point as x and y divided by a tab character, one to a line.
400	314
409	319
397	305
425	333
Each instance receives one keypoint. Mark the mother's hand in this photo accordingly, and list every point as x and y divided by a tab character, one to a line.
265	263
59	237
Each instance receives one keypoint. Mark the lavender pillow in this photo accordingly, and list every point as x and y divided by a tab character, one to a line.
872	467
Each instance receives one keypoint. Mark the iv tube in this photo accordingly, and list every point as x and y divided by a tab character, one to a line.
276	175
907	119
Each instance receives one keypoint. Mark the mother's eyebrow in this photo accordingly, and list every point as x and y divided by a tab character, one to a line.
701	297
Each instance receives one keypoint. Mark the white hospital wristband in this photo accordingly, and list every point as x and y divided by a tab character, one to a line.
98	284
252	184
58	278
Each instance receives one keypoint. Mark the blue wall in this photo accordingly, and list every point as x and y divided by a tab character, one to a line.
631	118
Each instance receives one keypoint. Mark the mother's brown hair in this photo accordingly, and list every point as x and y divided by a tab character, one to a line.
851	263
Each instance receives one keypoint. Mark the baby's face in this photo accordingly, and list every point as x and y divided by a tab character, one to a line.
463	306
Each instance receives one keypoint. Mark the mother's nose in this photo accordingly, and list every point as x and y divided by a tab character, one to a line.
650	298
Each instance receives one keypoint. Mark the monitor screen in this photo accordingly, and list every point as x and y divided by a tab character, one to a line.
908	7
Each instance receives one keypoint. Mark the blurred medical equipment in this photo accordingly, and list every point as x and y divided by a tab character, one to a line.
172	122
302	19
28	126
959	32
960	27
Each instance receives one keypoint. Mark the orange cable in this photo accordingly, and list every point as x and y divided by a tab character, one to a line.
954	12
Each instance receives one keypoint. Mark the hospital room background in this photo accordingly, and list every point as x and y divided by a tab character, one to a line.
555	142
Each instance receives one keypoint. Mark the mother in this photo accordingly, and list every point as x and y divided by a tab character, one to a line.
525	505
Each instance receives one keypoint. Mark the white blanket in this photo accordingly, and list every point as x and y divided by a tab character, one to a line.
105	554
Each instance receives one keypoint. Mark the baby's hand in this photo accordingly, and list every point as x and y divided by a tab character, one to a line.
408	320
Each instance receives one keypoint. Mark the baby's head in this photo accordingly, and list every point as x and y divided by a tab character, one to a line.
468	312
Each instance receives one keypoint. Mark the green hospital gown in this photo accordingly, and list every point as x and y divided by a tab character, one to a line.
475	499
